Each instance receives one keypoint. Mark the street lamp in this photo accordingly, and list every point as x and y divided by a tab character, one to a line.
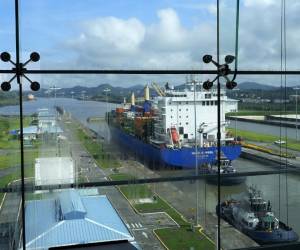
54	88
296	88
83	95
106	90
236	110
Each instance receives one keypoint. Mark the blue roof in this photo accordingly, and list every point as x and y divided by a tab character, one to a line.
96	221
30	130
71	205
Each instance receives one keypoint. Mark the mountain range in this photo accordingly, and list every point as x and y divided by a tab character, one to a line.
116	94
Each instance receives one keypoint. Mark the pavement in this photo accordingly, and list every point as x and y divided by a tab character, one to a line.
140	225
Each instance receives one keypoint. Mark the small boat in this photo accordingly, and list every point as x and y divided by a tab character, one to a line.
279	142
30	97
226	169
254	217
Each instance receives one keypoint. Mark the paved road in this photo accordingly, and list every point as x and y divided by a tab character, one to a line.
141	226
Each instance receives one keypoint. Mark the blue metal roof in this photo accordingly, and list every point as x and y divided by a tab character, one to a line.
46	228
30	130
26	130
71	205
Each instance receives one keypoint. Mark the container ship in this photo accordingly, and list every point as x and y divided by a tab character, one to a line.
177	128
253	216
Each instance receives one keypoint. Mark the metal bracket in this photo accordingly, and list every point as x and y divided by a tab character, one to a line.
19	71
223	71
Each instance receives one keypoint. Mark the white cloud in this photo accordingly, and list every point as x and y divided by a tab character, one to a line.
114	33
261	3
111	42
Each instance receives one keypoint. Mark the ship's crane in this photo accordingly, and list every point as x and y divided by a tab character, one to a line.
159	91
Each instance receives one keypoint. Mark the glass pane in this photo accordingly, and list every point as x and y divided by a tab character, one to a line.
10	173
262	27
98	35
81	135
7	34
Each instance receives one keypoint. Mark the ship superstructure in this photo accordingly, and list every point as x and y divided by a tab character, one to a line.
193	113
177	128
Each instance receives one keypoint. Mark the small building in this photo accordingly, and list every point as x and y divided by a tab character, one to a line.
46	119
54	171
293	98
71	219
231	105
53	130
29	133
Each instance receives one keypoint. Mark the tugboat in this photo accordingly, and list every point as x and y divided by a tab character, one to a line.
254	217
225	168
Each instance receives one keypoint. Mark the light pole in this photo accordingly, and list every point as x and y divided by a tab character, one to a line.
106	90
196	154
200	131
296	112
54	88
235	117
83	95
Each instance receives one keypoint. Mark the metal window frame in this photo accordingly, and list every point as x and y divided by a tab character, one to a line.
23	188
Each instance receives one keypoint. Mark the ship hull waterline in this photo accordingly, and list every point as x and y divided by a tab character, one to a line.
183	158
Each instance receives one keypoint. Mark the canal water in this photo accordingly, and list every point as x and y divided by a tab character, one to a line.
80	110
282	190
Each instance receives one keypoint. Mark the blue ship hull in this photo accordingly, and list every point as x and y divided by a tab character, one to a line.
184	157
279	235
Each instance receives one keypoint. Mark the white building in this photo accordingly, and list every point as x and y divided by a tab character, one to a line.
45	119
54	171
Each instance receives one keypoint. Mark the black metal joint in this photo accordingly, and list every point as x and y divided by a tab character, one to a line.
19	71
224	70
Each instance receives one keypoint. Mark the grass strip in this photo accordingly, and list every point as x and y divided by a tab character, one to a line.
184	238
257	112
7	123
13	159
138	191
174	238
7	179
94	147
265	138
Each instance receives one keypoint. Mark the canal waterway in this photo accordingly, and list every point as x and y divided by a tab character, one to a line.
80	110
282	190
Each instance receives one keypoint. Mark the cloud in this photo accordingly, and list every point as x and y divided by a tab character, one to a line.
166	43
113	42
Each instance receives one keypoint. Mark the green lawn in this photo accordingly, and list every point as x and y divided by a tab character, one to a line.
14	159
257	112
266	138
184	238
174	238
93	146
8	123
7	179
137	191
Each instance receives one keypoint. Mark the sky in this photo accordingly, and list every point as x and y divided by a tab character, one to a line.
156	34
